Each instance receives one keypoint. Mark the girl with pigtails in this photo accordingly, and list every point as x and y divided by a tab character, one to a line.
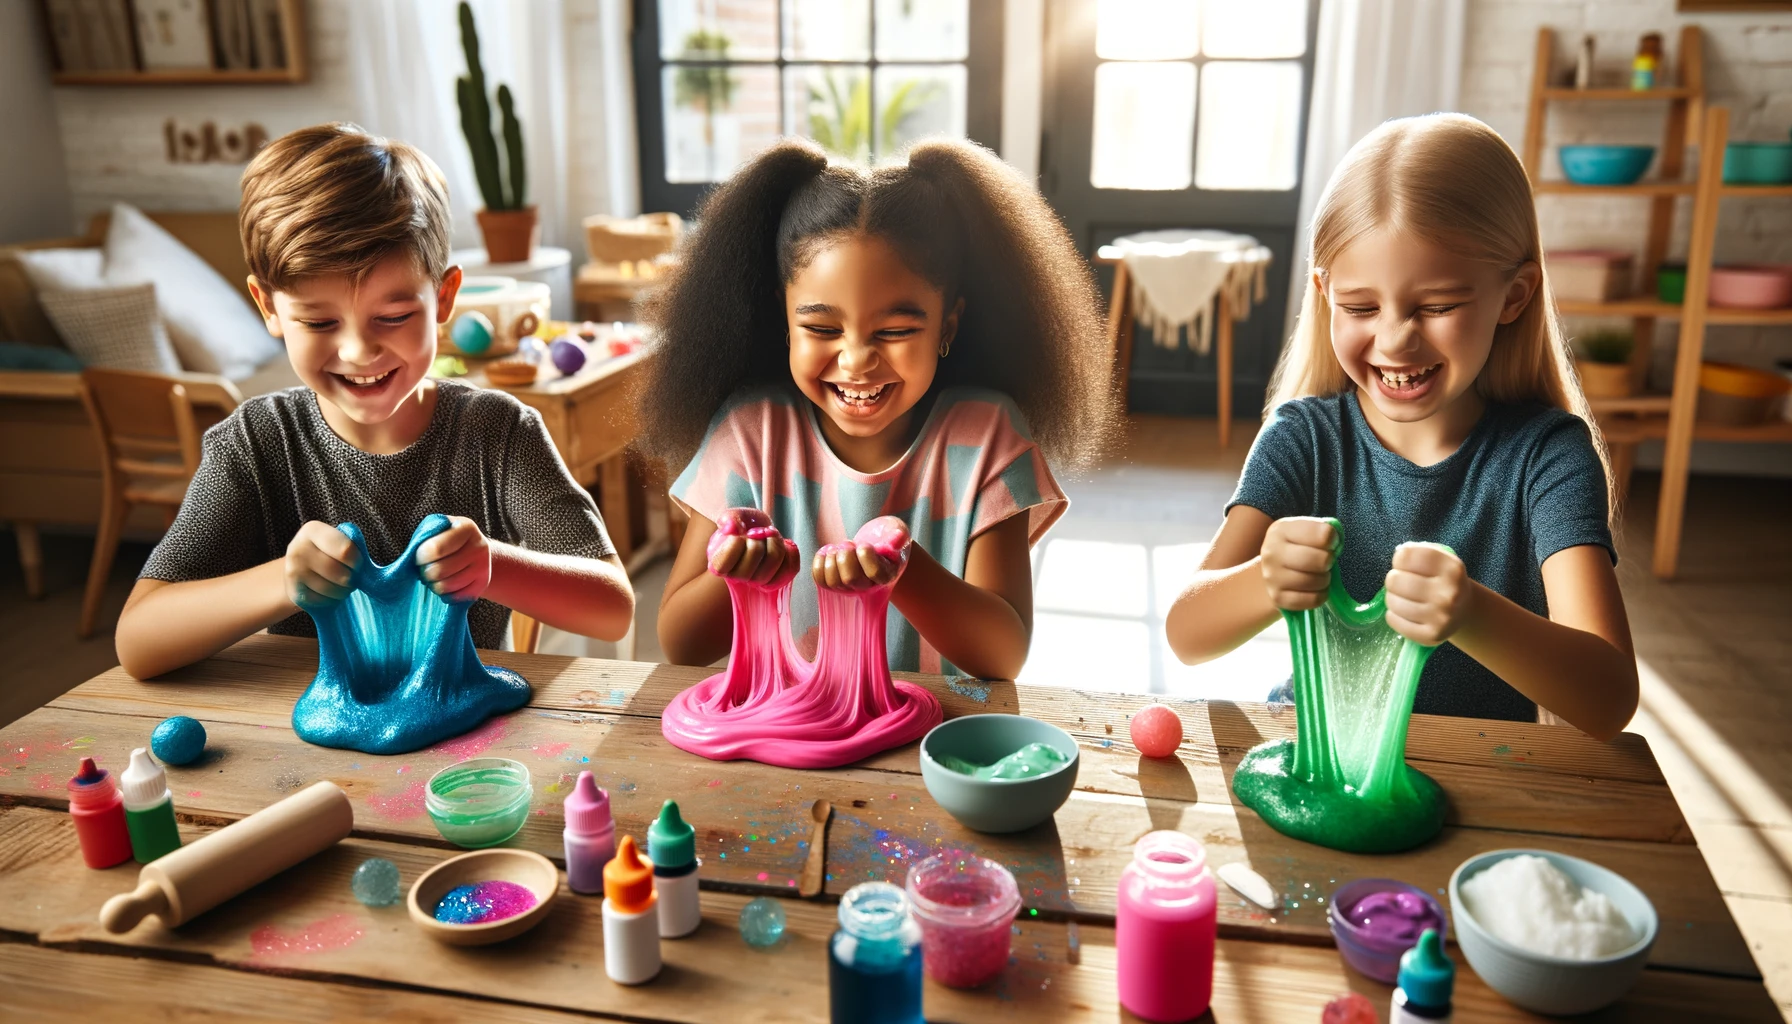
837	345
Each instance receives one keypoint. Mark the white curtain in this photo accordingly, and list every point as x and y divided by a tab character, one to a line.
1375	59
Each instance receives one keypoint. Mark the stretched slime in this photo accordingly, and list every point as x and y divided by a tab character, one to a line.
1030	760
773	706
1343	781
396	668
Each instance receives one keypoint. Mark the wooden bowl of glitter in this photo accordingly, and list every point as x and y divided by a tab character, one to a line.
485	896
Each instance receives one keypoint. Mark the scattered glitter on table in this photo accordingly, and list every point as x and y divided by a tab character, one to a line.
762	922
375	882
482	902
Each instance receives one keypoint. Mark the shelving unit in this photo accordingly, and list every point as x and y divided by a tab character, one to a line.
296	70
1671	418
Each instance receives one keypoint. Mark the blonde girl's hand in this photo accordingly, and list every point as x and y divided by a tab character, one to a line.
1296	559
319	566
456	563
1429	593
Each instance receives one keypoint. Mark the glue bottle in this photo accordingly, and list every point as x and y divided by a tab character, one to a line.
631	917
874	960
1165	923
590	835
1426	979
98	810
149	808
672	846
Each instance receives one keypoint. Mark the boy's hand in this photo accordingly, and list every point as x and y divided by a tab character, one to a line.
456	563
1297	558
320	565
1429	593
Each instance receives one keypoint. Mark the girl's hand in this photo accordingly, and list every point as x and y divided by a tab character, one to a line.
1429	593
1297	557
747	547
457	563
875	557
319	566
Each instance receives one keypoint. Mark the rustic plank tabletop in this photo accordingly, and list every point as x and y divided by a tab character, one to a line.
301	948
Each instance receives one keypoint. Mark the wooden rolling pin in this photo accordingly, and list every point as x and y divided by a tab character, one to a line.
198	877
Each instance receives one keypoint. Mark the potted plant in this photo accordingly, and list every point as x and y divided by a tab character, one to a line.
509	225
1603	361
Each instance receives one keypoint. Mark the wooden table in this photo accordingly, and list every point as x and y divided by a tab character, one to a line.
300	947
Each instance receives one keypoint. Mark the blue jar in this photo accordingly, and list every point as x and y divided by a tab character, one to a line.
874	960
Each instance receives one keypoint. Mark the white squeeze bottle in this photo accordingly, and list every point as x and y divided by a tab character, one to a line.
1426	979
631	917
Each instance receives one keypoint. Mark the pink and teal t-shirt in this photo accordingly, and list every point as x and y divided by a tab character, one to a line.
971	467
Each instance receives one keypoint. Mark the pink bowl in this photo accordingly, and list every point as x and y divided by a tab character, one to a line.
1752	285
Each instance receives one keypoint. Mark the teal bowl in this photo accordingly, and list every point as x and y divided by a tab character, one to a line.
1552	984
996	805
481	802
1758	163
1605	165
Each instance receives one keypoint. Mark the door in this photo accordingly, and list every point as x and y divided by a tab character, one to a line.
1182	114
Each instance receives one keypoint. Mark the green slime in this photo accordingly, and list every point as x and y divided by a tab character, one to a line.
1343	781
1025	763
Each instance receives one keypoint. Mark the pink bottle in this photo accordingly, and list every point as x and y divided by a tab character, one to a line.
590	835
98	809
1165	929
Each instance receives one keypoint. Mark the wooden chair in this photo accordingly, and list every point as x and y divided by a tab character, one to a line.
149	451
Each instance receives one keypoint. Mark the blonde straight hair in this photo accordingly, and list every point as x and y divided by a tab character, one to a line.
1451	180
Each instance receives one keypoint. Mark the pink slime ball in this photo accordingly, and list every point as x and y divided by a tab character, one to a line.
1156	731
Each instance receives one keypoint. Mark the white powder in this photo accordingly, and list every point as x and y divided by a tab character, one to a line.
1529	902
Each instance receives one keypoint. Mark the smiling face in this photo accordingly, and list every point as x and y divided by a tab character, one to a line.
865	336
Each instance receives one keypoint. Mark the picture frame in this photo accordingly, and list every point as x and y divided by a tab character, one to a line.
173	35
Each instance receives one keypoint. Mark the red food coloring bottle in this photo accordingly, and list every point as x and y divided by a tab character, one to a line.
98	809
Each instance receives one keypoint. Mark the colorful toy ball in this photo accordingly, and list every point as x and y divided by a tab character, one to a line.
178	740
471	332
568	356
1156	731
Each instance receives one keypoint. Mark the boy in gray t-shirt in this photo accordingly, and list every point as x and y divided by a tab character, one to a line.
346	237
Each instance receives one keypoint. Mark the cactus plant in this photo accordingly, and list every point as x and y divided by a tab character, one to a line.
476	125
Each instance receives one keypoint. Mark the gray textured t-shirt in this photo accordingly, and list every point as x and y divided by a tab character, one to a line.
274	465
1525	484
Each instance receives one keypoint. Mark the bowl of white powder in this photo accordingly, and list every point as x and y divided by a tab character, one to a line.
1552	933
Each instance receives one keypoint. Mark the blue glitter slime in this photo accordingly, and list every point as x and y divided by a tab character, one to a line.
375	882
178	740
396	666
762	922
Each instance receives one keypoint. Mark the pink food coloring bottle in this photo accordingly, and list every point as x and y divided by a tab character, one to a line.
1165	929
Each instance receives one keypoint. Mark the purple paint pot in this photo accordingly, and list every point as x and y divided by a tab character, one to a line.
1374	920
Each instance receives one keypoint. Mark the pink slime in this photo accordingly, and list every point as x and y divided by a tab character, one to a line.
772	706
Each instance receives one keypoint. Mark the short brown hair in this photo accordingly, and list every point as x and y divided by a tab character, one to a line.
333	199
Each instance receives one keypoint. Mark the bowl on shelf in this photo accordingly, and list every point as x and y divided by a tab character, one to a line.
996	805
1741	396
1752	285
1605	165
1553	984
1758	163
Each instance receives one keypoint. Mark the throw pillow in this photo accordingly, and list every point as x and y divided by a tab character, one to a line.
16	355
60	270
213	327
112	327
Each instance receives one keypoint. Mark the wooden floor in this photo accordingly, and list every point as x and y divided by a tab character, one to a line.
1714	647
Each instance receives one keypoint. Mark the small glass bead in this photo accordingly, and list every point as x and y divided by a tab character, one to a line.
376	882
762	922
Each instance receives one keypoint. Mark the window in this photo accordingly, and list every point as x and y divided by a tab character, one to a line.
720	80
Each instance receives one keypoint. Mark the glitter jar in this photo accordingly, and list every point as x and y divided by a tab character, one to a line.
965	905
481	802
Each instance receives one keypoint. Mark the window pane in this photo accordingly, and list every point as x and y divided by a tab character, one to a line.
1259	28
831	105
716	117
923	29
917	101
742	29
1147	29
1144	125
827	29
1250	126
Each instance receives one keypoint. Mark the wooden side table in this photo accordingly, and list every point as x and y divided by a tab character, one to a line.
1120	323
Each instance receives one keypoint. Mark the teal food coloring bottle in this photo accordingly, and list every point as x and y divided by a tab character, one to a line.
1427	978
148	808
874	960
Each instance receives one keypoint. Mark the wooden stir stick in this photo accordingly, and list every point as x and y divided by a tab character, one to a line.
809	885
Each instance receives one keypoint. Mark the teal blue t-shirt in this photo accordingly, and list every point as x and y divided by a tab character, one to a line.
1525	484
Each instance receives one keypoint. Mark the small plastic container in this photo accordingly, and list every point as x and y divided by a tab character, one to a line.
481	802
1757	163
965	905
1670	283
1374	957
1588	275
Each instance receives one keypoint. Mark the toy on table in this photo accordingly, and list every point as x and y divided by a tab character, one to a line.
481	802
568	356
98	809
770	704
492	315
396	666
148	808
631	917
376	883
672	847
762	922
196	878
1156	731
178	740
1166	922
1343	780
590	835
471	333
965	905
874	959
1426	979
483	897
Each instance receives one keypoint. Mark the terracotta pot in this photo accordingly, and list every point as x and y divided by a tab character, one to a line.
510	235
1604	380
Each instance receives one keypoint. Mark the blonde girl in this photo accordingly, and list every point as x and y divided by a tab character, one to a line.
1426	396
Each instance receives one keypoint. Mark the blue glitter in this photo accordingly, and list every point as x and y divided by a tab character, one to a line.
178	740
375	882
980	694
396	666
762	923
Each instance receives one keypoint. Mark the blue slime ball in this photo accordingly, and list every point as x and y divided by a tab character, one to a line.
178	740
762	922
376	882
568	357
471	332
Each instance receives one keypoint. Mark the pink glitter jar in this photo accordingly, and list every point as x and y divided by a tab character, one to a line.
965	905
